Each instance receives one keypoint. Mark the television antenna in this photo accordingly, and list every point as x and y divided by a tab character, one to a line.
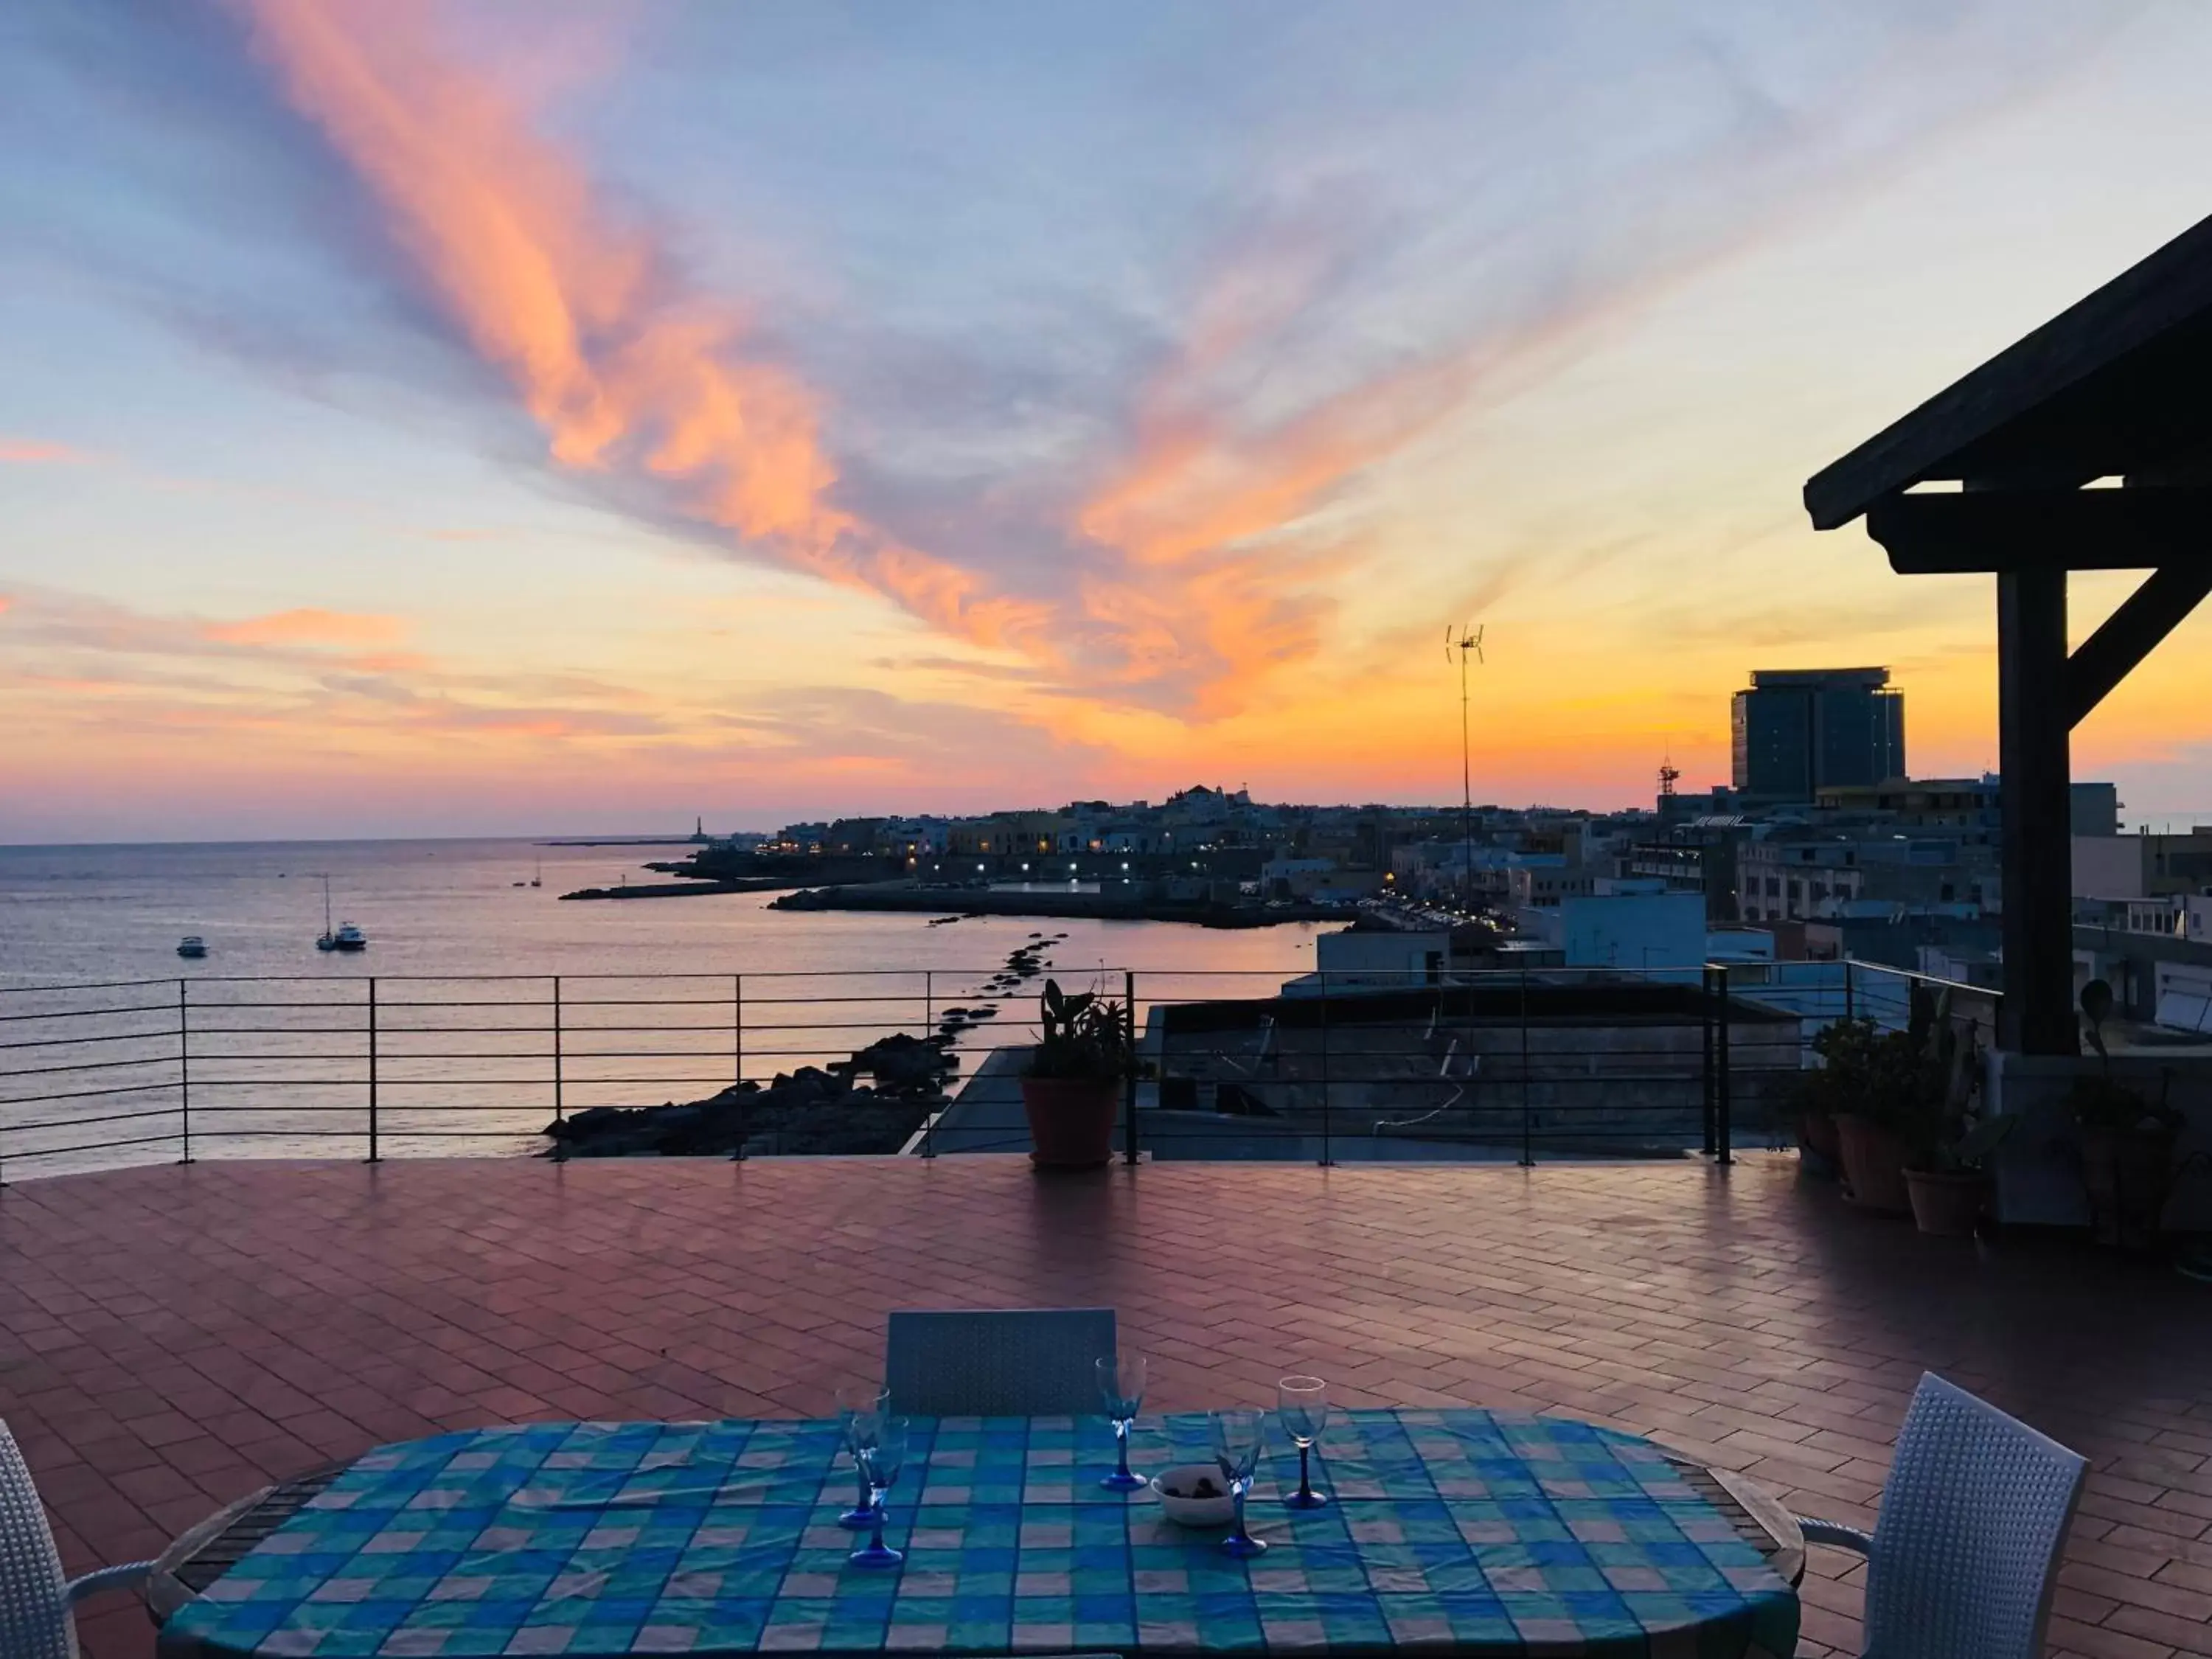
1465	640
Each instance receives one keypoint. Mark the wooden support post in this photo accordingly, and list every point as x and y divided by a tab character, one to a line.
2032	733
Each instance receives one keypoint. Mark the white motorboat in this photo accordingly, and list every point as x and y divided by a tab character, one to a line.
345	936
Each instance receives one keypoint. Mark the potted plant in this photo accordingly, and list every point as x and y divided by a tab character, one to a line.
1827	1090
1864	1066
1947	1141
2124	1139
1073	1084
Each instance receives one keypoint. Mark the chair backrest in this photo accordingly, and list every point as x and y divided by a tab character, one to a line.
34	1615
1974	1516
1038	1362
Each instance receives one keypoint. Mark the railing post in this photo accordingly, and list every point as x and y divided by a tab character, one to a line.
738	1048
1129	1080
1326	1151
1722	1128
184	1068
374	1152
560	1146
1706	1111
929	1029
1528	1112
1851	994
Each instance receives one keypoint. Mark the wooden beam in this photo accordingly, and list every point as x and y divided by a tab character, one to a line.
2136	313
2132	632
2141	528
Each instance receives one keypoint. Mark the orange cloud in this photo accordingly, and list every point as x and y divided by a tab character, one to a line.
310	626
38	452
624	372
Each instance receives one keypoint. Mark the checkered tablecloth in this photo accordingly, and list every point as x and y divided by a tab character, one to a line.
1451	1530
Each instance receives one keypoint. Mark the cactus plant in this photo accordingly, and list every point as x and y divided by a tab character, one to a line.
1083	1035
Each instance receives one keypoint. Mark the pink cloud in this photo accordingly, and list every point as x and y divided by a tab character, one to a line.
625	372
309	625
40	452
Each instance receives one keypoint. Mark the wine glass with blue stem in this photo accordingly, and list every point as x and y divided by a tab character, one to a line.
1302	1403
861	1409
880	1464
1122	1386
1238	1436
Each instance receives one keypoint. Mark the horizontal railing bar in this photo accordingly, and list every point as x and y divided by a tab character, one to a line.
161	1036
90	1147
87	1094
98	985
357	1107
169	1059
103	1117
199	1028
91	1013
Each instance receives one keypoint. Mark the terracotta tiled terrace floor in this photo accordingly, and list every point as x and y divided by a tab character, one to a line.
171	1338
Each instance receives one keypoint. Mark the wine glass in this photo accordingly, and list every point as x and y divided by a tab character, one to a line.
1121	1385
879	1467
1237	1437
862	1408
1301	1402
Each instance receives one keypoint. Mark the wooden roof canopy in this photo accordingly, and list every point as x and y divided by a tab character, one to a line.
2118	386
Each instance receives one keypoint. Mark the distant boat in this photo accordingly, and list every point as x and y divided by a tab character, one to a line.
191	945
538	875
345	936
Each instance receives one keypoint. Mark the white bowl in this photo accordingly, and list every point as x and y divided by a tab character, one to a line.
1173	1487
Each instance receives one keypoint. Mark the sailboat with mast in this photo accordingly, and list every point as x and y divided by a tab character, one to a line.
345	936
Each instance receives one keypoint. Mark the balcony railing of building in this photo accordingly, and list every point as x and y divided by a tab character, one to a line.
1508	1065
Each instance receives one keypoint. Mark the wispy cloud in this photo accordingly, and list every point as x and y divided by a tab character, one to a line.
38	451
630	372
311	626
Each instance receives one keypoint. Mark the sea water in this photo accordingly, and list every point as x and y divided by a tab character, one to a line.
117	1047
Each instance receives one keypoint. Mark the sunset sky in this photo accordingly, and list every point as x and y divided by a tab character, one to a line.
455	419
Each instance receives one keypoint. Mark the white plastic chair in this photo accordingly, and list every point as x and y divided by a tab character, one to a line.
1037	1362
1964	1552
36	1621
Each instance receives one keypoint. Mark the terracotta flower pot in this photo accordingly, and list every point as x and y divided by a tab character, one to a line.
1874	1165
2129	1176
1948	1202
1070	1120
1819	1151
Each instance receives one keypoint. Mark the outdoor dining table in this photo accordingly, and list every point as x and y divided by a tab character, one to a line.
1458	1530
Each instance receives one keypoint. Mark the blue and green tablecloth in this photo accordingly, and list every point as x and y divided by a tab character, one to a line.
1451	1530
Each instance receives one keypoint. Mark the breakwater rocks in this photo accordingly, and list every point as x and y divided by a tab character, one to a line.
679	889
947	903
1024	962
814	1109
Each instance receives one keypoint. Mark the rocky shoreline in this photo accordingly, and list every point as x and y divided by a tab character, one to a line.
813	1110
680	889
819	1110
905	897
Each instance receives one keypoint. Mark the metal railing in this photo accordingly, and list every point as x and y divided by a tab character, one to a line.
1496	1065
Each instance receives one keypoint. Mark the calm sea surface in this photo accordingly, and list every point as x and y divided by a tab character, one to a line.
265	1047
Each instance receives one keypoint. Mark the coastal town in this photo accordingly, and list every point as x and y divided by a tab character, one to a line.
1821	846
